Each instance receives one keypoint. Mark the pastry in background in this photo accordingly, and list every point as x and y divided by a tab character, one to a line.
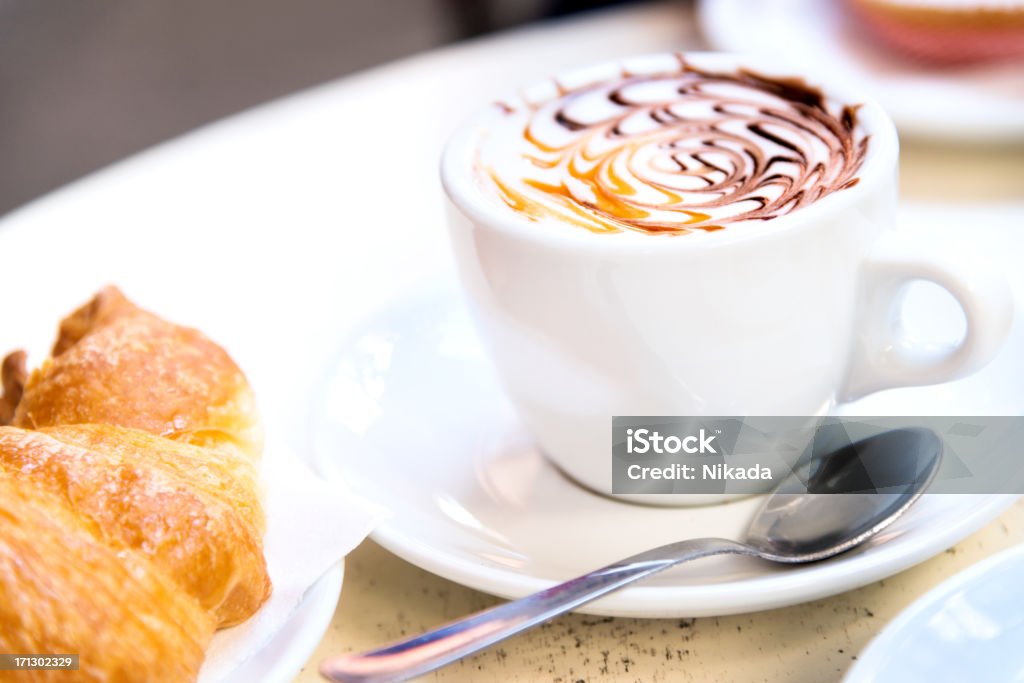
946	32
114	363
131	526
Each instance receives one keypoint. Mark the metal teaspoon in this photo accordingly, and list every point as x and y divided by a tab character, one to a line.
868	485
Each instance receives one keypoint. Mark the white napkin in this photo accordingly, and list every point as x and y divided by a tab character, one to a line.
311	526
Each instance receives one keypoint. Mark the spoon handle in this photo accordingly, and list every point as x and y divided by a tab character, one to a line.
414	656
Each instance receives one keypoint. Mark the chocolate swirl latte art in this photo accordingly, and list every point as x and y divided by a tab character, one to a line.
672	153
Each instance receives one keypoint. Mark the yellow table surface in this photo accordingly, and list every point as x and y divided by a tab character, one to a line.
384	597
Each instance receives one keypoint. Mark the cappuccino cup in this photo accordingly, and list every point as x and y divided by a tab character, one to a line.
694	234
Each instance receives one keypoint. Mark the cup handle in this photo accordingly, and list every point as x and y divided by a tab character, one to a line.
883	357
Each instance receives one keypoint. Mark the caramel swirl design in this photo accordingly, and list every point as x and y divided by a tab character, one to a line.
674	153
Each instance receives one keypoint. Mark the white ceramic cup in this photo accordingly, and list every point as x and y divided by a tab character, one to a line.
787	317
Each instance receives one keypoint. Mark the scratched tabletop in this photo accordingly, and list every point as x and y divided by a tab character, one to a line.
384	597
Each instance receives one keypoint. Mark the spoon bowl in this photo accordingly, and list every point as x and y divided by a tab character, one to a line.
832	503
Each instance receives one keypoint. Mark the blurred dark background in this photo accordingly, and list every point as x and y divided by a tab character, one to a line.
86	82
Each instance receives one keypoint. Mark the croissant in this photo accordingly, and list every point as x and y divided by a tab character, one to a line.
130	520
116	364
63	590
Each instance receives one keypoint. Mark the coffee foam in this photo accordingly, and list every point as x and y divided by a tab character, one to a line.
673	152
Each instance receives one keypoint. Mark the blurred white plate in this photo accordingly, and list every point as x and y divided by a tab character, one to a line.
967	103
280	660
412	416
969	628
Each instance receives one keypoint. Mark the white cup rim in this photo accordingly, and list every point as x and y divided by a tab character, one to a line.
462	185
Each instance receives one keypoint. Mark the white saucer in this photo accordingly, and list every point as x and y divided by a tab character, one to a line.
412	417
969	628
967	103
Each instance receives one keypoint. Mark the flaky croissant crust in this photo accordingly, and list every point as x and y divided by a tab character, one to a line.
130	520
63	590
114	363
